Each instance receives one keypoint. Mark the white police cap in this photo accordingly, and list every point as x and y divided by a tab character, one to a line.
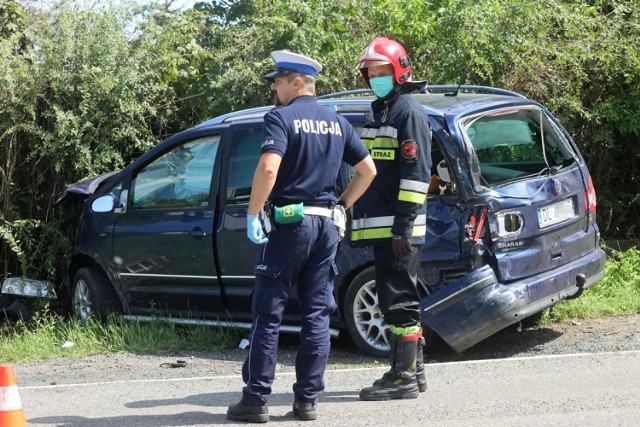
289	62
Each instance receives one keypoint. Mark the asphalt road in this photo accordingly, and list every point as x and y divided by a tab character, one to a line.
588	389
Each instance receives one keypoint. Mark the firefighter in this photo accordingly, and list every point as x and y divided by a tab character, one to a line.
303	147
391	215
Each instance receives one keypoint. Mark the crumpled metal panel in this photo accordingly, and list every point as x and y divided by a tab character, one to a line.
535	250
87	186
477	305
443	232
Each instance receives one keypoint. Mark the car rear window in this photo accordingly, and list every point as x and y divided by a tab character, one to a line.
516	143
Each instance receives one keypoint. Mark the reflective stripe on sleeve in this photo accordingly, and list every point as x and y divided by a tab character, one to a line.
411	197
416	186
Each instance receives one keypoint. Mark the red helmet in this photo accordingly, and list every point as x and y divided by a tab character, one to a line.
384	51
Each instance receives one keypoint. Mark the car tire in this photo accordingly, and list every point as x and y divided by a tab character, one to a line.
364	321
362	315
93	295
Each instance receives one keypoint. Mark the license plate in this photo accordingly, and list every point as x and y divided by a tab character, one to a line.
556	213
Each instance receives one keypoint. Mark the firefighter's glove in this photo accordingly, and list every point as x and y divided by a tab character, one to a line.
339	217
401	246
254	230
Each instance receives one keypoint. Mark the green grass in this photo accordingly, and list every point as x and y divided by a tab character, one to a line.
42	338
618	293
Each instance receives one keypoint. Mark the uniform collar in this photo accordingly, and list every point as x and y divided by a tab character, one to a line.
303	98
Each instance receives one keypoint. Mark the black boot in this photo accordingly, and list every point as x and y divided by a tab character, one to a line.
400	382
420	377
305	411
242	411
392	362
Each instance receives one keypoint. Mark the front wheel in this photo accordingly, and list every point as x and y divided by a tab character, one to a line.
93	294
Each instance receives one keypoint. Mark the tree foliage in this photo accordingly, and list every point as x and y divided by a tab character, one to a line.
84	89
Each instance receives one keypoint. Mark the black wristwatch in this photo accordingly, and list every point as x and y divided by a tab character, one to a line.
342	203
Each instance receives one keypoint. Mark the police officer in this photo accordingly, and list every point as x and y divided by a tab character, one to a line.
391	216
303	147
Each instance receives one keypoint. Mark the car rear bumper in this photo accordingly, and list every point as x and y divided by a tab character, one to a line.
476	306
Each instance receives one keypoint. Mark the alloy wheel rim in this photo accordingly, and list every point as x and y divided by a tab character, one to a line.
368	319
82	300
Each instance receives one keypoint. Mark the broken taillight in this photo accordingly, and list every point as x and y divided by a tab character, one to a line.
591	197
590	202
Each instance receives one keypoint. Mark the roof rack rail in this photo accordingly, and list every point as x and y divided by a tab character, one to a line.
474	88
346	93
438	88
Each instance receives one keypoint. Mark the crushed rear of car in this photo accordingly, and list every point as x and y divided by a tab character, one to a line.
520	208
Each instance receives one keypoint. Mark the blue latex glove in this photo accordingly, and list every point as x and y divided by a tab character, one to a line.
254	230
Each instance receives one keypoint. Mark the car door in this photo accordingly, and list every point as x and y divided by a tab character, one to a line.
163	241
236	253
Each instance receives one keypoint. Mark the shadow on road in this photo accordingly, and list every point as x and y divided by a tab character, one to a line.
206	400
509	342
183	419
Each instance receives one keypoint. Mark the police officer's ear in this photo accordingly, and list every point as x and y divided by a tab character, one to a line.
298	83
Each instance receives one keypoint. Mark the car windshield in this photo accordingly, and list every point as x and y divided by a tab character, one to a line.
516	143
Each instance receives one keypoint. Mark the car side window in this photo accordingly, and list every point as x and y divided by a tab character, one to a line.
180	178
243	159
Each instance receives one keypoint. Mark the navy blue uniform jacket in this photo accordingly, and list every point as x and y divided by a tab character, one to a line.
312	141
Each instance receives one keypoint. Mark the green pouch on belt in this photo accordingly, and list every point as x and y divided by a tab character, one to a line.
289	214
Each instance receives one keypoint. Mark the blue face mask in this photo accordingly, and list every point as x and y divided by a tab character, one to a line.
382	86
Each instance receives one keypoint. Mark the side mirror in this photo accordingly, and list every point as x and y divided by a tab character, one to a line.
104	204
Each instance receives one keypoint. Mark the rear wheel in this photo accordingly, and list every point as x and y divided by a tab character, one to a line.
93	294
364	320
362	315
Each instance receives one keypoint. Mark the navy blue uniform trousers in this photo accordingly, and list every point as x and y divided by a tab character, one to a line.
303	254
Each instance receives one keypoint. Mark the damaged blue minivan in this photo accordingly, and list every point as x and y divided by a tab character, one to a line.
511	225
